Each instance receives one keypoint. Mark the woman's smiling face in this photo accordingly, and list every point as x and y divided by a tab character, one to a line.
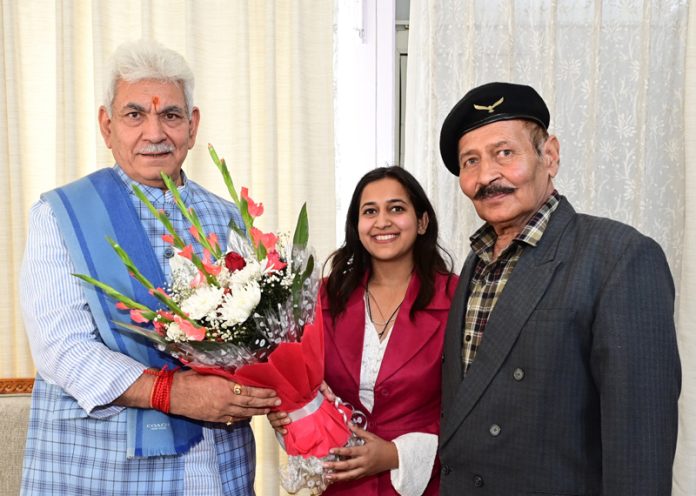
387	221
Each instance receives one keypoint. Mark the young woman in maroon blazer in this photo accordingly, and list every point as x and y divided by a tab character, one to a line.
385	305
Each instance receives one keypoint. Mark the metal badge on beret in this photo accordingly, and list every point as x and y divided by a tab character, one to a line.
483	105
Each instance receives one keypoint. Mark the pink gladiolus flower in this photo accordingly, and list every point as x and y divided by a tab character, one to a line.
256	235
213	240
168	238
208	264
211	268
274	262
160	328
166	315
121	306
268	240
186	251
158	290
255	210
137	316
193	332
198	280
194	232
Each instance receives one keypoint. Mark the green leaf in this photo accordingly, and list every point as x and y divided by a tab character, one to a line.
301	236
248	220
171	186
261	251
222	167
213	154
129	264
233	225
112	293
309	269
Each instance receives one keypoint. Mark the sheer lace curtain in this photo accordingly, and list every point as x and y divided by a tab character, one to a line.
613	74
263	84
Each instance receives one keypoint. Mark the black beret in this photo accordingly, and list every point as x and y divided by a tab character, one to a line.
491	102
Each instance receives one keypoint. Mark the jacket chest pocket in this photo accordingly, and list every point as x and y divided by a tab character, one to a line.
556	343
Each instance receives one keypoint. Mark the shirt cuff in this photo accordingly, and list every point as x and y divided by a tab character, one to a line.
100	407
416	451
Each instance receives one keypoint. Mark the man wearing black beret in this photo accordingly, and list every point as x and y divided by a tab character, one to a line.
560	372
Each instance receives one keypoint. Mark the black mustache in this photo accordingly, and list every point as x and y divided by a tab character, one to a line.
492	189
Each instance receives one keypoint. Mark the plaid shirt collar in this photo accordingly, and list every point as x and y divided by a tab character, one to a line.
155	195
483	240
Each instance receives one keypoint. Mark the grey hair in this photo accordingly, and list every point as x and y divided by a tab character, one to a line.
538	136
146	59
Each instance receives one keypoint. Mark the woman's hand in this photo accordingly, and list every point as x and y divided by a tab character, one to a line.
327	392
373	457
279	420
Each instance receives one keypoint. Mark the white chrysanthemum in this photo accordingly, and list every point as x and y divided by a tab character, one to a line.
251	272
202	301
238	305
174	333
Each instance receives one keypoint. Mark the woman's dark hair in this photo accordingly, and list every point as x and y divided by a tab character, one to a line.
351	261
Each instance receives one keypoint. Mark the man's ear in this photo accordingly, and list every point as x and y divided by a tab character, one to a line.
105	125
552	155
193	126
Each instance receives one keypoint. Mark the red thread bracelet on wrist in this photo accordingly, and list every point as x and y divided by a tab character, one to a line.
160	396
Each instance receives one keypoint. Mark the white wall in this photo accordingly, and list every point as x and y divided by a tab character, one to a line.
363	96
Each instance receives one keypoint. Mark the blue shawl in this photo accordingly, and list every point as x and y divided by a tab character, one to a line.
89	210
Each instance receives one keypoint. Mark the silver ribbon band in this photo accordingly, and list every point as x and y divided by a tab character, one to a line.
308	409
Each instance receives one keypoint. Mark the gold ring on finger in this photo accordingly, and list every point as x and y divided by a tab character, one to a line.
237	389
230	420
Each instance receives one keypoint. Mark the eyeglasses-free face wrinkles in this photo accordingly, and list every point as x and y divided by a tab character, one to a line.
149	129
502	174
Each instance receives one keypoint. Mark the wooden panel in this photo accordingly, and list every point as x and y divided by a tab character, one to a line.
16	385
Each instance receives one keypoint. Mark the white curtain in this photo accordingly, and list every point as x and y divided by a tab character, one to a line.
613	74
263	84
685	463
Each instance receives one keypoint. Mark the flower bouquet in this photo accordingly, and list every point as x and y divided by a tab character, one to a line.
250	314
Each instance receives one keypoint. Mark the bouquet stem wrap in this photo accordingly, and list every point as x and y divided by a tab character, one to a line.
295	371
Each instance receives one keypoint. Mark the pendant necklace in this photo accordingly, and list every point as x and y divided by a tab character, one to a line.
386	323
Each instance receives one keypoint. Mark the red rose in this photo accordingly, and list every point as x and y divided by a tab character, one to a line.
234	261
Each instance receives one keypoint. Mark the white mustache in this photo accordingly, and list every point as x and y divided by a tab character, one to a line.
156	148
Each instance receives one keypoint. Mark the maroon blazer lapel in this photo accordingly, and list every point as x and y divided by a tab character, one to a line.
409	337
349	342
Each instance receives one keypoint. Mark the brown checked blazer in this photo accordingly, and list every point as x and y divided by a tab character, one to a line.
575	385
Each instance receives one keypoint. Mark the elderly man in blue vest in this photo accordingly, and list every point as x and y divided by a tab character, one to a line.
93	429
560	371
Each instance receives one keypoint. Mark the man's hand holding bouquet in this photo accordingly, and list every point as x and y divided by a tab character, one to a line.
250	314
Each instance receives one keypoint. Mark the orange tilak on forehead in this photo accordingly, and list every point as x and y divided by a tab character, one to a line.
155	102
